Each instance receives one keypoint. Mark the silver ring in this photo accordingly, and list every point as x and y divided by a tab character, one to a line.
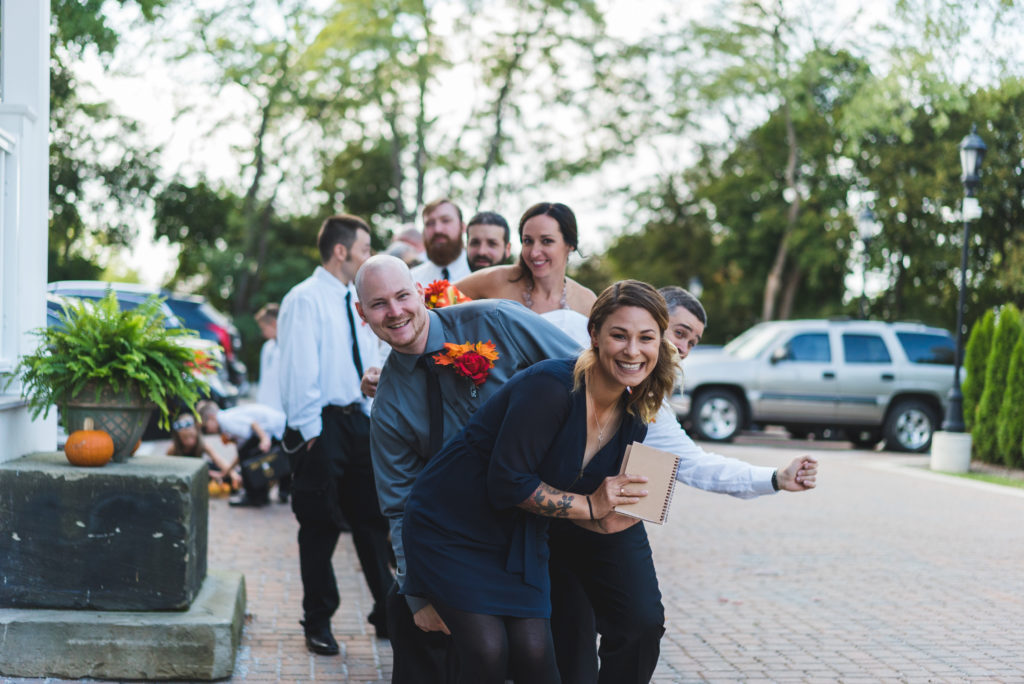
622	491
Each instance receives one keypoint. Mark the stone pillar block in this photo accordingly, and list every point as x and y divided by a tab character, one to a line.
197	644
127	536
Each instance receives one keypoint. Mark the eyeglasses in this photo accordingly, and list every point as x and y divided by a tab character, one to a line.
183	423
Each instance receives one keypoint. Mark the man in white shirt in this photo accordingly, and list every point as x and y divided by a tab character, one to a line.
268	392
443	231
324	349
254	429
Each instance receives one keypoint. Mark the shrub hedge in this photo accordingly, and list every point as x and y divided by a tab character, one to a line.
986	426
975	359
1011	413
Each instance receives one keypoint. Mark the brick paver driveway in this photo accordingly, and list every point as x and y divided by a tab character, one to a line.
885	573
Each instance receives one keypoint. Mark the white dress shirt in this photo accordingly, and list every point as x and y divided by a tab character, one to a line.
428	271
705	470
236	422
316	351
269	391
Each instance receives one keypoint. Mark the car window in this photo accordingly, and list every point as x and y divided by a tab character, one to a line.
928	348
859	348
808	347
752	342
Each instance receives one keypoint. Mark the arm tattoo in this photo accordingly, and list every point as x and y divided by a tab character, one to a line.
548	501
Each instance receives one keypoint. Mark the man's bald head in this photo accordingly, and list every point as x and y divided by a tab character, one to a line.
392	303
388	266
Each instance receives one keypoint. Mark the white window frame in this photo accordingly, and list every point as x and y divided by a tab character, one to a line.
8	251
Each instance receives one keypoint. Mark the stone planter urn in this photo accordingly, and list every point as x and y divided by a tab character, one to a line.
122	415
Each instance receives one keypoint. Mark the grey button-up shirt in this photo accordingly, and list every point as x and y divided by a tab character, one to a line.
400	417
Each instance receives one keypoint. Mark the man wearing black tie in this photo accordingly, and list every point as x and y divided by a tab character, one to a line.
324	349
443	232
411	420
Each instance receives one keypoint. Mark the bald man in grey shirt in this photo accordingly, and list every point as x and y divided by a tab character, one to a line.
400	420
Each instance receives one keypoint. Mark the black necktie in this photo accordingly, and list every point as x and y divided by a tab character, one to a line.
355	341
436	408
444	273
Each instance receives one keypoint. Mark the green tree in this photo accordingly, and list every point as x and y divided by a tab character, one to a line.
101	168
1011	412
723	219
986	427
975	359
914	174
769	56
209	222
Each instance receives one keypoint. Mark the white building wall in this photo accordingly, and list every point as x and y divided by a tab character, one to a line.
24	175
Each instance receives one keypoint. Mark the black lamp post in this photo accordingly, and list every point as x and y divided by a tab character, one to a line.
972	153
866	228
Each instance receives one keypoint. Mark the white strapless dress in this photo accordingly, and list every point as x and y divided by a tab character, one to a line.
572	323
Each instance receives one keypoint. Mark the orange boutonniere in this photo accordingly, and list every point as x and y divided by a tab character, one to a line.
473	361
441	293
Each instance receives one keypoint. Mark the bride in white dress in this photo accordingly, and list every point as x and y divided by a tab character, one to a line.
538	281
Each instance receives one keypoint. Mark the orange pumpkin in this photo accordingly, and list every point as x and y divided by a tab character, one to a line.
88	447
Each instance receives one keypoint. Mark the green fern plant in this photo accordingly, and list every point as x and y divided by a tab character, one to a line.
97	345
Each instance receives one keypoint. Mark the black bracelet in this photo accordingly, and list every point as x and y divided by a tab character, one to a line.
590	507
775	480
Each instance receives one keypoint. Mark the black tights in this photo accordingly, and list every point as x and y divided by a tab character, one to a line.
492	648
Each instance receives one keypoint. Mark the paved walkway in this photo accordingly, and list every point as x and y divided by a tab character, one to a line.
887	573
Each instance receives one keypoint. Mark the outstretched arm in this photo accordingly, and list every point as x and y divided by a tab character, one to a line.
716	473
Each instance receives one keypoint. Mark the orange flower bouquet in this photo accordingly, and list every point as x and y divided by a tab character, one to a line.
473	361
441	293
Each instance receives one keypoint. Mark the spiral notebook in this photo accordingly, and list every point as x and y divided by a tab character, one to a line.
659	467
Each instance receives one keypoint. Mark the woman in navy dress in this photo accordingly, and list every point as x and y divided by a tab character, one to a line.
548	444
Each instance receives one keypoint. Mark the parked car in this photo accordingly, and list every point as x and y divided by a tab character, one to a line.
198	314
866	380
191	311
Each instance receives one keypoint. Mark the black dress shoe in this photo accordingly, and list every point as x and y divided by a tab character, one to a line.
321	642
246	501
380	624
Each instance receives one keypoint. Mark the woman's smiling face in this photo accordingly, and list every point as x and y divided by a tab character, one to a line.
545	250
627	346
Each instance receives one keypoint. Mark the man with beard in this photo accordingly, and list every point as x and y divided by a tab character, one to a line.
442	237
488	240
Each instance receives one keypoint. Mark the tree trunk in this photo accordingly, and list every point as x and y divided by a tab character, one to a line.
793	280
421	134
773	283
523	42
240	302
397	174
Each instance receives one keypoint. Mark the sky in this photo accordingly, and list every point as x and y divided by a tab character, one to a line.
143	85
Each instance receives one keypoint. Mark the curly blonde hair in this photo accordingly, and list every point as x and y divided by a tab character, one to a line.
646	398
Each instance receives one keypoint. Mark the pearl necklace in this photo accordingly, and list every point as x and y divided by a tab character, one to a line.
562	303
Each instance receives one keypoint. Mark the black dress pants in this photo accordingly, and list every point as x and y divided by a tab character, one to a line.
419	657
607	581
333	482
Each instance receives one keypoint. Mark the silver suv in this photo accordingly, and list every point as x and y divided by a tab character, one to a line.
864	380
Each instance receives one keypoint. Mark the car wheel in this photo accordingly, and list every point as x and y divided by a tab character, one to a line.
717	415
909	426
